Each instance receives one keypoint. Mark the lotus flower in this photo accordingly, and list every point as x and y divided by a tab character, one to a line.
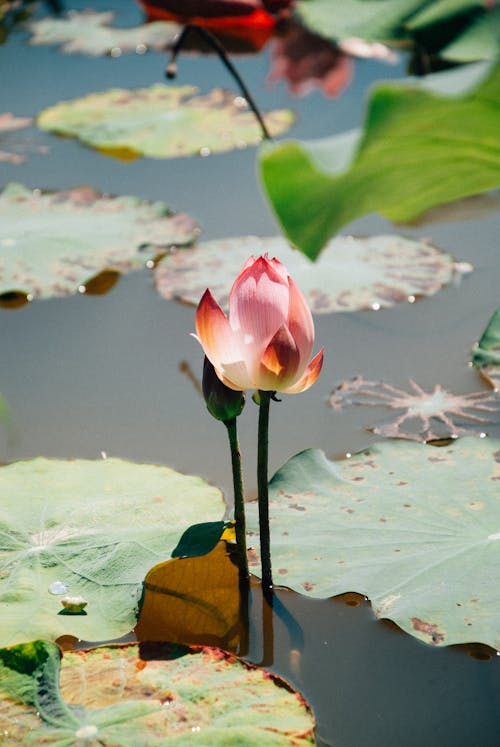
268	338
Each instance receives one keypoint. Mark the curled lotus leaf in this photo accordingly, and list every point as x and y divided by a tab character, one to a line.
421	415
54	243
414	527
154	696
90	32
486	354
89	529
161	121
352	274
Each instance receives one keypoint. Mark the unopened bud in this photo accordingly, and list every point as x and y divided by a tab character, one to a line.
223	403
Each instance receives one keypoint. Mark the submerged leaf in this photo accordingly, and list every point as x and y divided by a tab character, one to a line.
424	416
412	526
353	273
54	243
90	529
486	354
419	149
89	32
161	121
129	696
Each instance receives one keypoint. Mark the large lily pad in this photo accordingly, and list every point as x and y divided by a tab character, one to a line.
121	696
353	273
414	527
419	149
89	32
89	529
486	354
161	121
52	244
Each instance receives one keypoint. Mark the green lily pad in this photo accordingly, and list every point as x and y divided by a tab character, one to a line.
89	32
161	121
53	243
90	529
486	354
352	274
122	696
414	527
419	149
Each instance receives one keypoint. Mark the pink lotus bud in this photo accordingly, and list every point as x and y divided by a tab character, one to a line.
267	341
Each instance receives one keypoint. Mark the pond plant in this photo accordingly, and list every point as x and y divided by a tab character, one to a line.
357	587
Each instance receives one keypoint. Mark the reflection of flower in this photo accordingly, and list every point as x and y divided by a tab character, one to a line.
268	338
306	60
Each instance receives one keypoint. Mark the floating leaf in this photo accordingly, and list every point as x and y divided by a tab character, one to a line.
193	600
161	121
419	149
352	274
54	243
91	529
424	416
121	696
486	354
89	32
412	526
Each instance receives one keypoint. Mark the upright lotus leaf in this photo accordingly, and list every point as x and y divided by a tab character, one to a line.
486	354
194	600
161	121
419	149
54	243
88	531
352	274
421	415
90	32
121	696
414	527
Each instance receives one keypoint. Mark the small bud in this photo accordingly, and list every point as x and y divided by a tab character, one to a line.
222	402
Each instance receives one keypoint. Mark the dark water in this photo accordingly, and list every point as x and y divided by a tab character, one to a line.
89	374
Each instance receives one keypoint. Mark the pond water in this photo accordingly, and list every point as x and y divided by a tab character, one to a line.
83	375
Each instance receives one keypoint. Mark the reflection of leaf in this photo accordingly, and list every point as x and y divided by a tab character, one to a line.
115	696
161	121
91	529
352	274
53	243
419	149
193	600
486	354
423	416
90	33
414	527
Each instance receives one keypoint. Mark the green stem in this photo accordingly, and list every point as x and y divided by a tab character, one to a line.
239	496
262	463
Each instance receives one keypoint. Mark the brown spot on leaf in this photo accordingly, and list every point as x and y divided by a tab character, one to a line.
429	629
297	507
282	571
496	456
307	585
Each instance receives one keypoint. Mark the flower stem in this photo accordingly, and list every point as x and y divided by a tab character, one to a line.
239	497
262	465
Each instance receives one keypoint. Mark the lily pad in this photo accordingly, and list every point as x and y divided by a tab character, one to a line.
353	273
421	415
53	243
121	696
91	529
486	354
90	32
419	149
161	121
414	527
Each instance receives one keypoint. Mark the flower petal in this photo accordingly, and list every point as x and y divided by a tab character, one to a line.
279	363
309	376
300	323
219	342
258	305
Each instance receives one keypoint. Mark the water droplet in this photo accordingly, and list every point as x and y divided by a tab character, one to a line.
58	587
411	299
141	49
104	454
116	52
240	102
81	289
196	728
150	264
348	455
375	306
483	435
204	152
30	297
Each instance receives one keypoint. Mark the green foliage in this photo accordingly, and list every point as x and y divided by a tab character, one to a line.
199	539
418	150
